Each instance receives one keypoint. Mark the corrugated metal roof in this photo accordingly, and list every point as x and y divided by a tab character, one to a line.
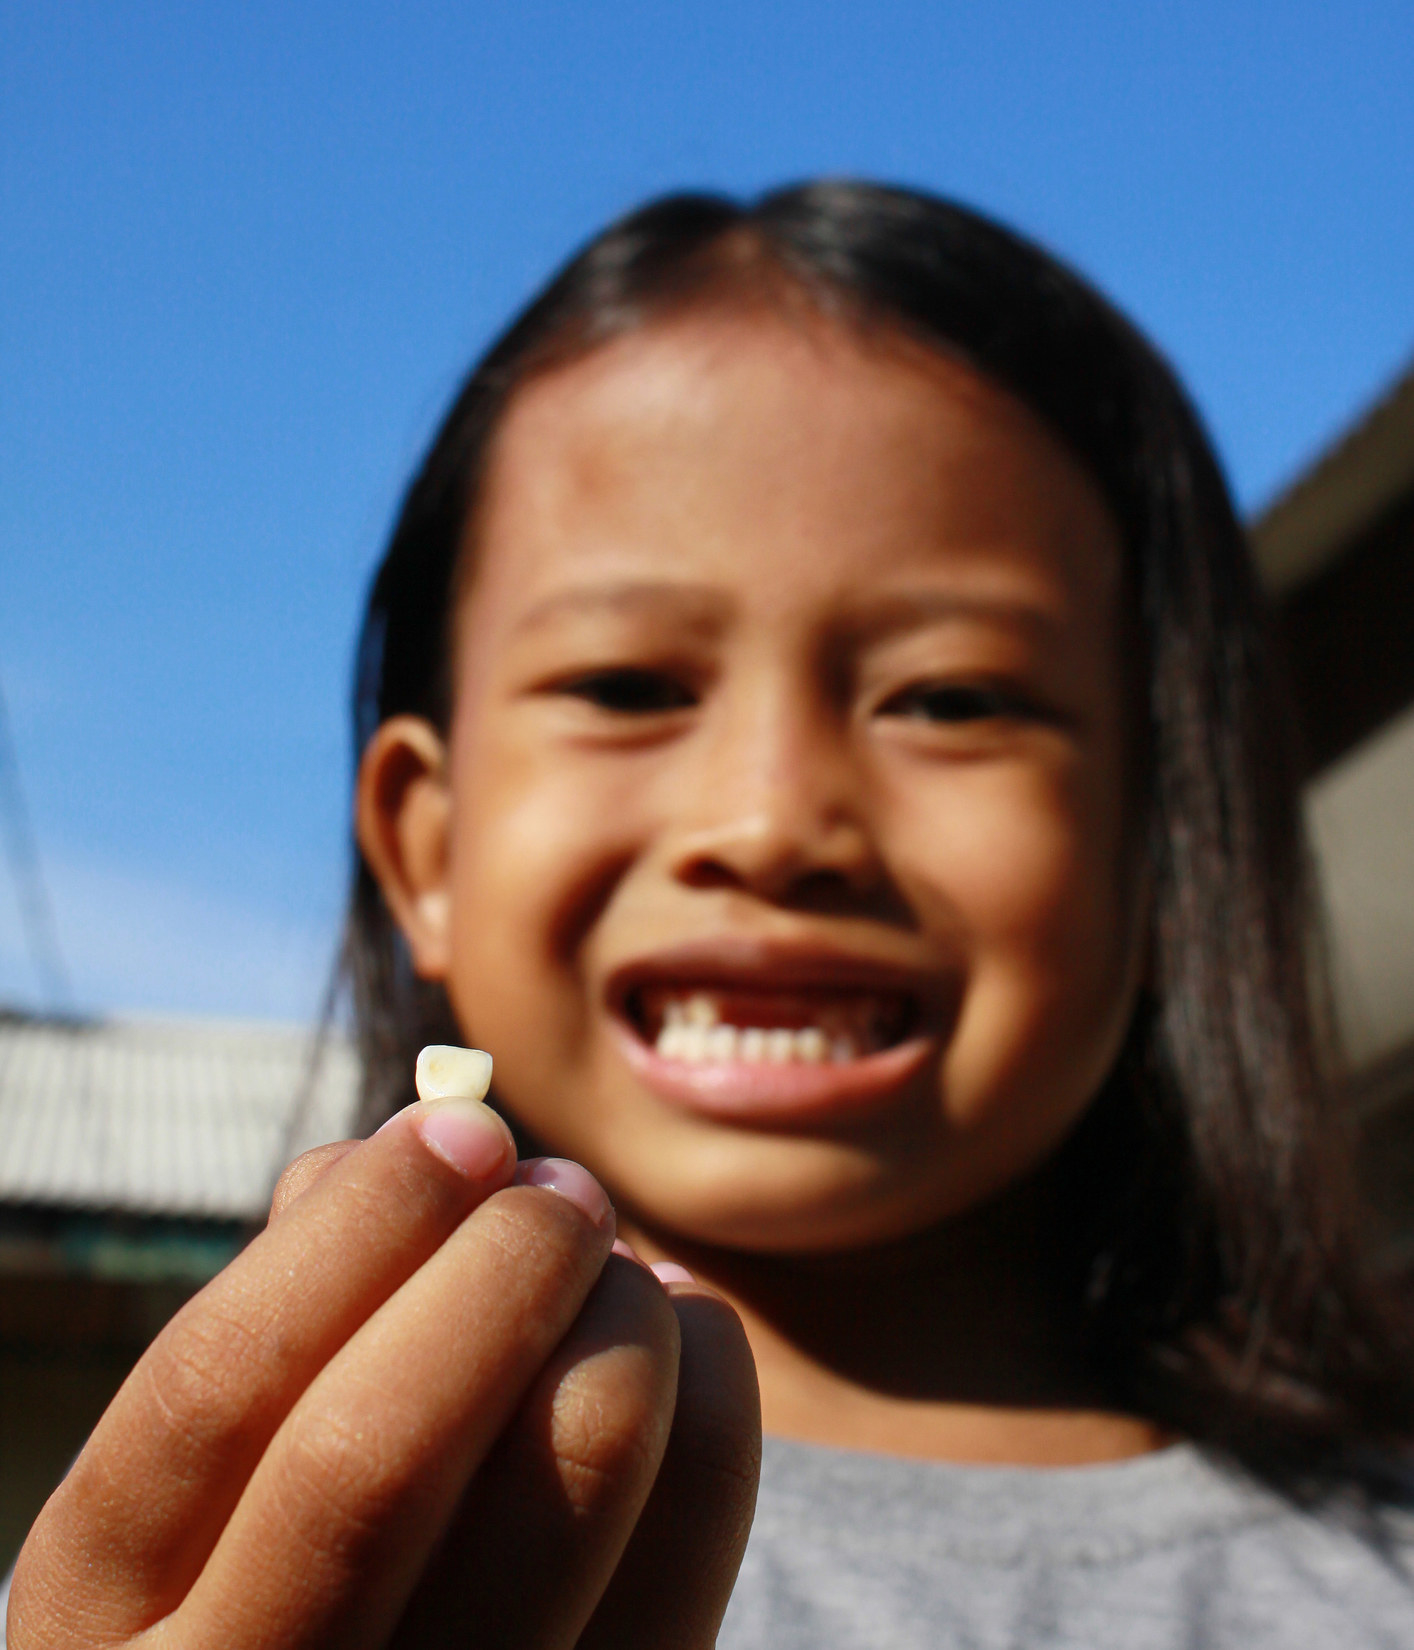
190	1118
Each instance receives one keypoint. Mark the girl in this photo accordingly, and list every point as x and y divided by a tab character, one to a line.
816	731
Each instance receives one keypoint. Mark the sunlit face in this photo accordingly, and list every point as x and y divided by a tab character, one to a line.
789	879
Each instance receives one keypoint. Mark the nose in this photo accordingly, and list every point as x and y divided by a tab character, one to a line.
775	808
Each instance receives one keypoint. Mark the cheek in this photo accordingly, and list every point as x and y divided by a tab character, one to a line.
535	851
1026	871
1025	860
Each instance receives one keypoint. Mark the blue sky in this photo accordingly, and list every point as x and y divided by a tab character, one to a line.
249	249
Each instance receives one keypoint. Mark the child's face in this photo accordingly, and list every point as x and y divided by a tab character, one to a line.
789	695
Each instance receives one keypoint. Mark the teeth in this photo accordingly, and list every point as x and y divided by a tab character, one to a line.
701	1010
751	1045
780	1045
702	1025
720	1043
692	1044
810	1044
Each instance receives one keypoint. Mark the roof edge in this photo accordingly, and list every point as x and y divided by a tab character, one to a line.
1314	519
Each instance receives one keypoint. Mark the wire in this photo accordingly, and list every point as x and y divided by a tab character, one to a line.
22	850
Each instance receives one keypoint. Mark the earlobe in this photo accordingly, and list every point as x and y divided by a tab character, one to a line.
403	820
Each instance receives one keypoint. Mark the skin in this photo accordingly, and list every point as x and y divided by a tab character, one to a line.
423	1389
789	534
875	631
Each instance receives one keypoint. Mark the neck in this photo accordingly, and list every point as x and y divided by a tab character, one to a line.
963	1343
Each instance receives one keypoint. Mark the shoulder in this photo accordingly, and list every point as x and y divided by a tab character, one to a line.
1155	1552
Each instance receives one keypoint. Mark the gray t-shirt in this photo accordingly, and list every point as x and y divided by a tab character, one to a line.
865	1552
1168	1550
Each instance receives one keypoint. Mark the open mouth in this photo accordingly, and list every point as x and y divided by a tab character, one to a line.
729	1025
772	1035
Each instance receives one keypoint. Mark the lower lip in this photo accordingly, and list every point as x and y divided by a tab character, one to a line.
790	1092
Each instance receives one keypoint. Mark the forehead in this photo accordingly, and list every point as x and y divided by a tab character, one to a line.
792	453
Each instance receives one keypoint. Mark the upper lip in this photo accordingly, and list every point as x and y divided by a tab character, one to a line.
766	963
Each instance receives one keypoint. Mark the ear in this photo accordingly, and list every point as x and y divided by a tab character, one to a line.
403	818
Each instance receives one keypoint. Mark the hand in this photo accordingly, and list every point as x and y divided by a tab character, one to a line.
426	1407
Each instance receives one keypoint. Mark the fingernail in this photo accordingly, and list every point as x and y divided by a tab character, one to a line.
558	1174
668	1271
626	1250
465	1134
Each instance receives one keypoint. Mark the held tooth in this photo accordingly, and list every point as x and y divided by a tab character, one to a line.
810	1045
751	1044
701	1010
445	1072
780	1045
721	1043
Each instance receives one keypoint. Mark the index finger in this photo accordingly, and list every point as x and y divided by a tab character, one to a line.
126	1534
301	1174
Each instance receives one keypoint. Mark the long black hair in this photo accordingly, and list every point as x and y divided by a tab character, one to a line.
1216	1246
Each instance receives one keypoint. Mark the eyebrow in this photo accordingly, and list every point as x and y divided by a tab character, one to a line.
874	620
702	604
887	615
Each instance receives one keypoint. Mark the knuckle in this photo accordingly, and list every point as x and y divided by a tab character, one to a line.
302	1171
384	1200
38	1613
334	1475
533	1232
192	1367
360	1205
596	1457
609	1426
715	1447
292	1175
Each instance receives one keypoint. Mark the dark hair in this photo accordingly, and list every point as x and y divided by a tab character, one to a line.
1216	1244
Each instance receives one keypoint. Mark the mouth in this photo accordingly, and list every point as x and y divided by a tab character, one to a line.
715	1025
775	1037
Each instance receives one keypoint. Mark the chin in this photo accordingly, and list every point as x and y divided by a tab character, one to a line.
786	1213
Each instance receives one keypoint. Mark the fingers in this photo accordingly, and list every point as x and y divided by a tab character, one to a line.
341	1516
128	1531
672	1586
300	1175
536	1538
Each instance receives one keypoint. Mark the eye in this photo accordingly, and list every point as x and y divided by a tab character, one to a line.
630	691
945	702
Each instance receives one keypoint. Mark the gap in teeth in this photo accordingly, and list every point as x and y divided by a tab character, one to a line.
693	1030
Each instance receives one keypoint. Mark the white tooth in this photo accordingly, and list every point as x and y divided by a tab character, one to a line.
751	1044
692	1044
810	1044
701	1010
673	1014
444	1072
780	1045
721	1043
842	1050
668	1039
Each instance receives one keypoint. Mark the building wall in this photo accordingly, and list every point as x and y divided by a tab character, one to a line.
66	1346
